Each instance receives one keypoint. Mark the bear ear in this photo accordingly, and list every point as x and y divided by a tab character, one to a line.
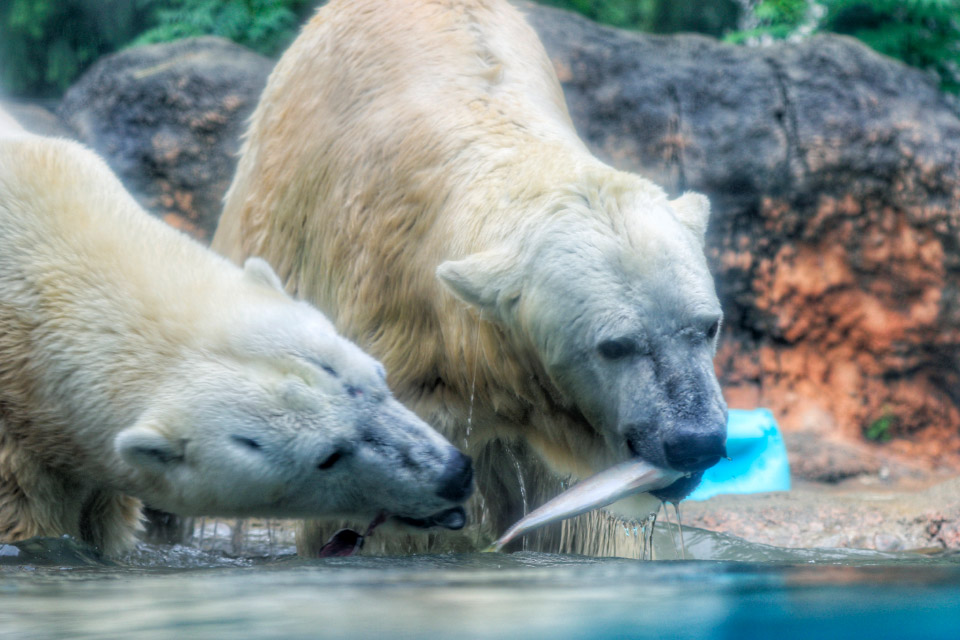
693	210
257	270
485	280
145	446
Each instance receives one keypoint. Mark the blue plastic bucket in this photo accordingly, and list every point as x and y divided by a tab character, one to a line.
758	458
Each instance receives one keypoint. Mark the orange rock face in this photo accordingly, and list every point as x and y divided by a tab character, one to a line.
856	344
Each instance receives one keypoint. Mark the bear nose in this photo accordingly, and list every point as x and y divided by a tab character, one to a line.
691	449
456	481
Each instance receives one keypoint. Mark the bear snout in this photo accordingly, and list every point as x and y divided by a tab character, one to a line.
693	448
456	481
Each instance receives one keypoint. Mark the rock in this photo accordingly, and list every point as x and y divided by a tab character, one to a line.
849	517
834	174
826	458
168	120
887	542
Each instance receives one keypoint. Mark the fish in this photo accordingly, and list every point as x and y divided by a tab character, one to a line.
347	542
606	487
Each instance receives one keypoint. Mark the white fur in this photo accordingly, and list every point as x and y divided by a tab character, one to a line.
134	362
412	170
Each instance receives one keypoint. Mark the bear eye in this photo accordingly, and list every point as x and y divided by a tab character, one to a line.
330	460
320	364
713	329
249	443
616	349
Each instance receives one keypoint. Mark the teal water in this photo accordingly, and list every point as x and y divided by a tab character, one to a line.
57	590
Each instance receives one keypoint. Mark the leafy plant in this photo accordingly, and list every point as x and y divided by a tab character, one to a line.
659	16
775	19
881	429
45	44
921	33
266	26
626	14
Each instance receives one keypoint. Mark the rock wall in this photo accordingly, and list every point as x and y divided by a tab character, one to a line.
168	119
834	174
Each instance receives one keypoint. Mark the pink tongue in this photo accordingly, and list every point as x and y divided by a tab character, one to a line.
347	542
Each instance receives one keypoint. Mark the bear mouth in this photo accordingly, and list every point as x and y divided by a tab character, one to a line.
348	542
680	489
453	519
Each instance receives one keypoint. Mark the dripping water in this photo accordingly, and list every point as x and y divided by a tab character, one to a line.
673	534
203	525
683	547
215	535
270	538
649	525
482	503
473	384
643	539
484	515
520	484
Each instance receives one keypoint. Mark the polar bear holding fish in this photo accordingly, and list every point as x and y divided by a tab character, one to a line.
136	364
412	170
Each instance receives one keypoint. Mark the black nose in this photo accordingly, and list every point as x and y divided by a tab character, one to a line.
456	481
695	449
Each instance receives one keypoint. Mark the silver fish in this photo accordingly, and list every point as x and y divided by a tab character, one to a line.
606	487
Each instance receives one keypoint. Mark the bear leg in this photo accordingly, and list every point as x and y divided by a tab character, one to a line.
109	522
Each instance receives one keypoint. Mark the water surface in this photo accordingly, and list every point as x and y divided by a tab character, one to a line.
745	591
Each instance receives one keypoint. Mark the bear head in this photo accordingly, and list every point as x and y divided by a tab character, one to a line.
285	418
610	289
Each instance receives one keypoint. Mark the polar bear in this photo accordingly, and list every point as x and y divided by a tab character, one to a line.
411	168
137	365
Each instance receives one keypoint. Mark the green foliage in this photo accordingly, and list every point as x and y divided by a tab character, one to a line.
45	44
626	14
266	26
659	16
776	19
921	33
715	18
881	429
